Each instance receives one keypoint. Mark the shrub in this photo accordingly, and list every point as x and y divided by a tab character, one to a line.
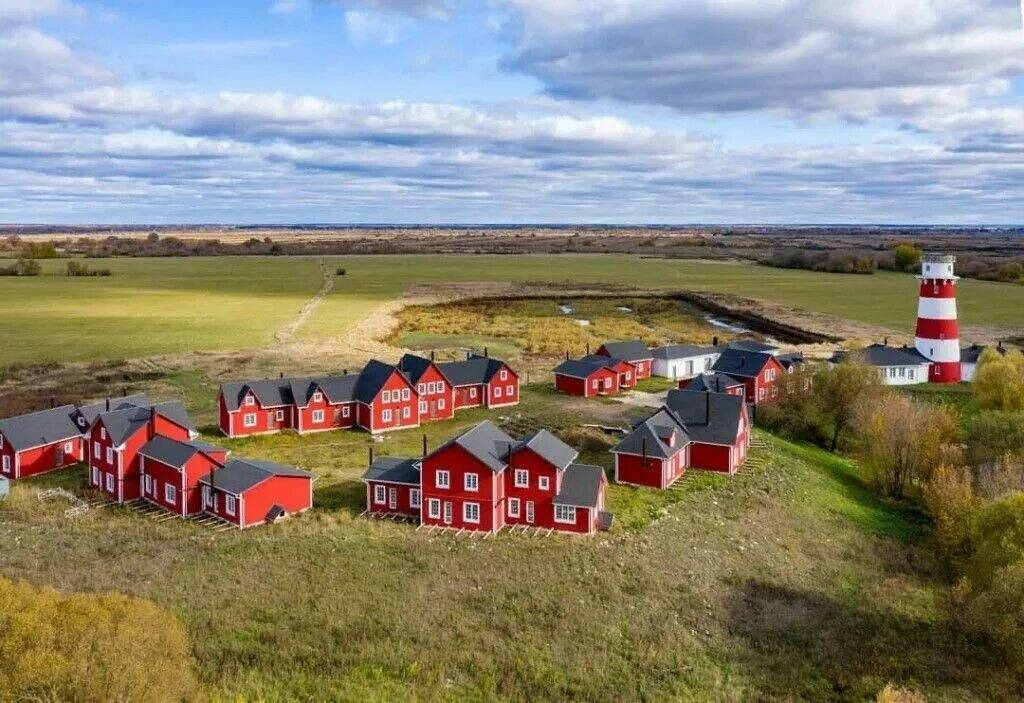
77	268
893	694
40	250
908	256
999	381
89	648
998	538
992	434
340	272
839	391
22	267
950	500
998	611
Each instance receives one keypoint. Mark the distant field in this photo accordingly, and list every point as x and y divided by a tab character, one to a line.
152	306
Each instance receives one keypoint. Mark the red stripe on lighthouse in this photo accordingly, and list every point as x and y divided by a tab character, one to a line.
945	372
938	289
937	329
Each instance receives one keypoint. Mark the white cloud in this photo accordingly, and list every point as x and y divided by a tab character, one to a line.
424	9
371	27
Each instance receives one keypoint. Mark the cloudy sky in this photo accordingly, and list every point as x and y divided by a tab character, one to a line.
451	111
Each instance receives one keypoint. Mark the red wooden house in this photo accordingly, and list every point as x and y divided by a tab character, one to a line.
326	403
393	487
39	442
481	381
655	453
714	383
171	470
718	426
544	488
635	352
256	407
114	440
434	390
248	492
587	378
759	371
462	481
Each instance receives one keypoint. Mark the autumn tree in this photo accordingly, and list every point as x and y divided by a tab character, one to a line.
900	441
839	391
908	257
999	381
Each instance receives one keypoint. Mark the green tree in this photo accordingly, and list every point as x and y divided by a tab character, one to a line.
838	392
992	434
999	381
908	257
998	538
89	648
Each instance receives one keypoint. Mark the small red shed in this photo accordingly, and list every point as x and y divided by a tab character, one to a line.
39	442
248	492
393	487
586	378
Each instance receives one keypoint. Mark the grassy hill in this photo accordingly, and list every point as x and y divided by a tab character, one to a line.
788	581
167	305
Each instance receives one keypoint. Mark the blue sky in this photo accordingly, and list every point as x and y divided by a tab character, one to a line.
441	111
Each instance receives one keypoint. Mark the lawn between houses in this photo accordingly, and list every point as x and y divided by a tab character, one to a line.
789	580
170	305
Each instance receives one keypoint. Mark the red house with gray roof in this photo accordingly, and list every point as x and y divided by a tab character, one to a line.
171	469
635	352
248	492
759	371
38	442
393	487
594	375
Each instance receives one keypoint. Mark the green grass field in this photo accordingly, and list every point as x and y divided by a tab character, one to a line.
154	306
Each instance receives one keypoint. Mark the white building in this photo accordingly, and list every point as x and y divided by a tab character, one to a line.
897	366
683	361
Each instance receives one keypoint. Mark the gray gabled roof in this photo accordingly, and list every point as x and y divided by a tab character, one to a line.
42	427
371	379
577	368
882	355
485	442
682	351
791	359
338	389
634	350
581	486
649	436
752	345
239	475
713	382
122	424
388	469
709	418
549	448
414	366
474	371
740	362
91	411
174	453
269	392
971	354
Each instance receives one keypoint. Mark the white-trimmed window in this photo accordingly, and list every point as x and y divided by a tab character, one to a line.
497	391
110	455
471	512
444	479
513	507
103	433
440	386
503	375
249	420
318	397
1	441
406	394
509	391
69	447
472	392
406	412
471	482
565	514
379	494
629	375
279	415
543	483
440	403
110	483
318	416
249	400
434	508
148	481
95	477
385	415
423	406
414	497
96	450
421	388
229	505
170	493
522	478
385	397
7	464
594	384
431	388
345	411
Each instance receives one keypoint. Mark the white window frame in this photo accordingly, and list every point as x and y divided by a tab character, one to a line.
385	415
379	494
509	391
503	375
472	393
147	481
249	400
110	455
406	412
103	433
513	507
525	482
421	388
497	391
346	411
440	403
469	507
443	478
96	450
439	386
110	483
543	483
414	498
318	397
1	441
385	397
565	514
249	420
318	416
434	508
406	394
7	464
431	388
594	384
230	505
279	415
69	447
170	494
471	481
423	406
